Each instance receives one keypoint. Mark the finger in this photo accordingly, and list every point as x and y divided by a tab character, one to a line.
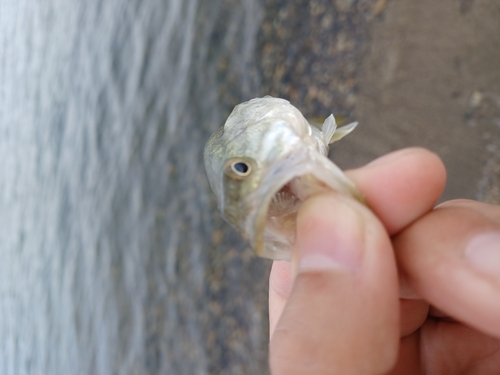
488	210
451	257
448	347
401	186
442	346
342	314
413	312
280	286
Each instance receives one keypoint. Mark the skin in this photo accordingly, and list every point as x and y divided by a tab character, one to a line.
343	315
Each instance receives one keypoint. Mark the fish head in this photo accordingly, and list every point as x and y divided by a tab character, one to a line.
262	165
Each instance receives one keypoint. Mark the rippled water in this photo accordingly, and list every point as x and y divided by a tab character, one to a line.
111	256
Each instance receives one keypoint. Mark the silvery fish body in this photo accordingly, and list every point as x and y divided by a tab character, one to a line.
264	162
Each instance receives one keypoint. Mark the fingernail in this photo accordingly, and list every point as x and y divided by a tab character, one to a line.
330	234
483	253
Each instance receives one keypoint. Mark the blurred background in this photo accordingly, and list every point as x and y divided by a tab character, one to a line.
113	256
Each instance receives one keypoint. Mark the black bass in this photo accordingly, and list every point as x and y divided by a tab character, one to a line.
264	162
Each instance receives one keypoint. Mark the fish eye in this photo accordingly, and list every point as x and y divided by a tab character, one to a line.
238	168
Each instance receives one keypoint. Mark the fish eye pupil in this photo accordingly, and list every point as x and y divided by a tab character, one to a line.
240	167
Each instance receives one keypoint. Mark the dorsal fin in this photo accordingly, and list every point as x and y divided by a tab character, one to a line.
328	129
331	133
343	131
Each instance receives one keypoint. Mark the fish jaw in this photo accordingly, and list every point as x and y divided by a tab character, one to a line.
273	206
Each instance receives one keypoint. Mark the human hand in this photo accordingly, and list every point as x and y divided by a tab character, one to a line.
343	314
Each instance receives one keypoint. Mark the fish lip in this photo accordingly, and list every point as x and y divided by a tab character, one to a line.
292	165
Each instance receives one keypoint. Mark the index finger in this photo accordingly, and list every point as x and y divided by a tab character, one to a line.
398	187
401	186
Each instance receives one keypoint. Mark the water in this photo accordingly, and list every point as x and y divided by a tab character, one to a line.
113	257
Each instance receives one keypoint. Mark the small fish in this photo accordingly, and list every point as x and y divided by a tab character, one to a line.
264	163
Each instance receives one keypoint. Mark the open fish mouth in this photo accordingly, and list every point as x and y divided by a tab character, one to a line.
280	217
285	186
275	222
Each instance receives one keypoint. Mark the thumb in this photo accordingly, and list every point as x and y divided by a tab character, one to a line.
342	314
